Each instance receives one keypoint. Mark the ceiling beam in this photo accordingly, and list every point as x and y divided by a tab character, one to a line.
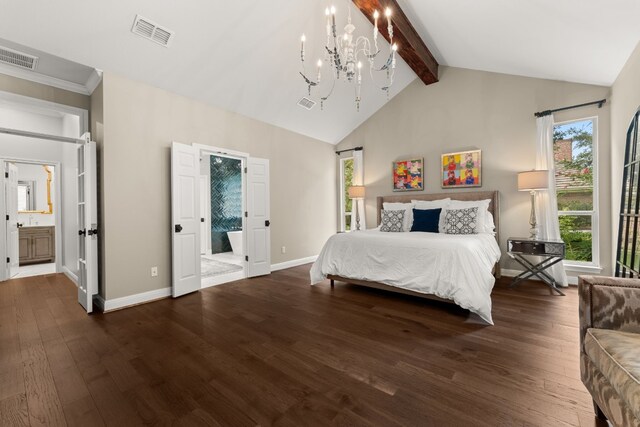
411	47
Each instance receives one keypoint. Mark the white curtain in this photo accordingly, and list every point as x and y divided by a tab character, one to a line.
547	201
358	179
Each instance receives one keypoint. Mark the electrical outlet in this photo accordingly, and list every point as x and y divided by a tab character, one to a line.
283	250
154	271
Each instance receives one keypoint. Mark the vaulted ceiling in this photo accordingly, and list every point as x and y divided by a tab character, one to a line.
243	56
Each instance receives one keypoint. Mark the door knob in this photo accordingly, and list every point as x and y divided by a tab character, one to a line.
92	232
178	228
267	223
82	232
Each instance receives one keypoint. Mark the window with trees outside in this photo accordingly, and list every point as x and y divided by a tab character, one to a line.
346	181
576	180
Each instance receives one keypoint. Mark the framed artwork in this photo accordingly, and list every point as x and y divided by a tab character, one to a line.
407	175
462	169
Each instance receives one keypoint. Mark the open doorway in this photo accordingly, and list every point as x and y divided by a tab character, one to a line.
205	196
222	205
36	208
47	193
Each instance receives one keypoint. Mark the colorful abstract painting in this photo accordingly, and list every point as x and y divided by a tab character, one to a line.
462	169
407	175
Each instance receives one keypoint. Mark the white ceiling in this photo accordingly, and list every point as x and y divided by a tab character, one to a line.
243	56
584	41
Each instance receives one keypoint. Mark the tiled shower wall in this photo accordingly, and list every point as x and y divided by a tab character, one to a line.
226	201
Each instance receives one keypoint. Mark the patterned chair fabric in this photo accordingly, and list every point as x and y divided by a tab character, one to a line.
610	346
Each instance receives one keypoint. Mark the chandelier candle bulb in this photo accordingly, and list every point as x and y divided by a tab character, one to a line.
327	13
376	15
319	68
302	40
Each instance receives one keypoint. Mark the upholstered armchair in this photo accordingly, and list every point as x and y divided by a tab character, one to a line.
610	347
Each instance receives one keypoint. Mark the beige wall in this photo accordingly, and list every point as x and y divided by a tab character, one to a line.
44	92
625	100
140	122
474	109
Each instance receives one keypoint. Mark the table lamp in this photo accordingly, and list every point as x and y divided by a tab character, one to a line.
356	192
533	181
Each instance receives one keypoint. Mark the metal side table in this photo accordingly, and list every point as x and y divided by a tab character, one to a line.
550	252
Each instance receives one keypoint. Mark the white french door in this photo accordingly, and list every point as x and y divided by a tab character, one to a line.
185	218
203	214
258	213
11	196
87	224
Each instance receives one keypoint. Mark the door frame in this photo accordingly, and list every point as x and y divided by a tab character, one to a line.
35	104
57	197
208	150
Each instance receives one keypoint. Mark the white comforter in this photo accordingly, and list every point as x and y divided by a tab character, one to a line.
452	267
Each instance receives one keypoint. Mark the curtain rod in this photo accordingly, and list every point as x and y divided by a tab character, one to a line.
349	149
600	103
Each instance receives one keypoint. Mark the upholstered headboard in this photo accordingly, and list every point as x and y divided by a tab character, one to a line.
494	206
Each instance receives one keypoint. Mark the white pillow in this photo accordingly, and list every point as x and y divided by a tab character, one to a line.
485	223
431	204
490	226
408	214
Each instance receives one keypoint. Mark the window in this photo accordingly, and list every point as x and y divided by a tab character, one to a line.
574	145
346	181
627	260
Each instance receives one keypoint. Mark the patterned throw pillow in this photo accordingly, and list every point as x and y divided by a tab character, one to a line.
392	221
461	221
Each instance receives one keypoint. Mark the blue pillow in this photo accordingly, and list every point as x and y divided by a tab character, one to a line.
426	220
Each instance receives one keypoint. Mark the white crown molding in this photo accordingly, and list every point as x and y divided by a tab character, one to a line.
93	81
45	80
293	263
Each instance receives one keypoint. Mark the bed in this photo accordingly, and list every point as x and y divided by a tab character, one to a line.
456	269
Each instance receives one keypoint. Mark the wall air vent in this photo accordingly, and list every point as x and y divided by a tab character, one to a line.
306	103
151	31
18	59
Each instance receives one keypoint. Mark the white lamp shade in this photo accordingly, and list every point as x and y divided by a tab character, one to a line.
356	192
533	180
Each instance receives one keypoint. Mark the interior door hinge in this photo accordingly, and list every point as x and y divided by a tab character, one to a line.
6	174
7	217
245	169
246	258
8	260
246	214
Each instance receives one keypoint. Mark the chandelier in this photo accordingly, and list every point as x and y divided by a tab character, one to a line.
345	55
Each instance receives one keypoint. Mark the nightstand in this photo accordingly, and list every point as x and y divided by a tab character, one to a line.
550	252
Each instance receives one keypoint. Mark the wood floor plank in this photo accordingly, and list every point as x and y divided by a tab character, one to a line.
14	411
45	408
276	351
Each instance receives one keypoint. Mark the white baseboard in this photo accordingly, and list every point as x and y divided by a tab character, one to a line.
73	277
118	303
293	263
573	280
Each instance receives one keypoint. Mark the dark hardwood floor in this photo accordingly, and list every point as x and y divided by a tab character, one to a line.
275	351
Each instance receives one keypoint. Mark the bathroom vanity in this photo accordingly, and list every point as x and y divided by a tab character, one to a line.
37	244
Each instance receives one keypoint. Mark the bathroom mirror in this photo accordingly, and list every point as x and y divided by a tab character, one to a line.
29	199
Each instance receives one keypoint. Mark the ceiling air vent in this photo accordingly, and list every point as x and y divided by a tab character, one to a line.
18	59
306	103
150	30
